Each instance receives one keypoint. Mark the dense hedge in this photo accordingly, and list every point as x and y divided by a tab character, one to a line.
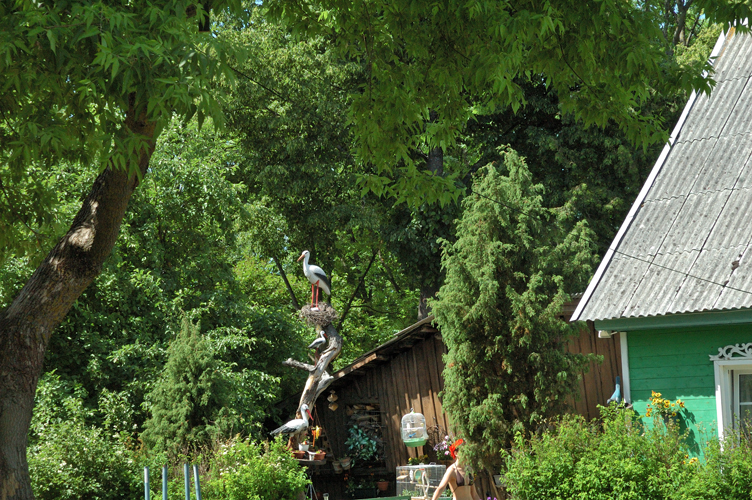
618	457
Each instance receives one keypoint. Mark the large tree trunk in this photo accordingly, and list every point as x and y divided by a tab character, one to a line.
28	323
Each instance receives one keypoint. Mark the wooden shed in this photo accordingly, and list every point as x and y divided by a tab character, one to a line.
403	374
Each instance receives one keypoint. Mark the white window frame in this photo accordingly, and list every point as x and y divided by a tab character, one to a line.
742	371
736	358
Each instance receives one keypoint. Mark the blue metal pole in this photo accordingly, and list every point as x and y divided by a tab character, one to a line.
198	484
146	483
187	475
164	482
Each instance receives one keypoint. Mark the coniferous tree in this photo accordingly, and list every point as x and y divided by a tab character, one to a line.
188	403
507	276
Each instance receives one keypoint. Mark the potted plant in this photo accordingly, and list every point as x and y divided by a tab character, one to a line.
319	455
382	484
419	460
442	450
346	462
361	488
303	445
299	454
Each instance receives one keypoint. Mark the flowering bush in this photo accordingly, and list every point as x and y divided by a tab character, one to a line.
617	458
442	449
243	470
661	407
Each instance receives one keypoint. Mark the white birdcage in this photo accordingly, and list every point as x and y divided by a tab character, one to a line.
414	430
419	481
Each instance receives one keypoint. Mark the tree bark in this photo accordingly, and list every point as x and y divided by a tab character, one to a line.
318	378
27	324
426	292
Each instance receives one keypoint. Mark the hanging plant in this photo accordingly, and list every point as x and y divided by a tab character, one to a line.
360	444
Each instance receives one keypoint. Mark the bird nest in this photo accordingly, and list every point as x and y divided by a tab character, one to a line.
322	318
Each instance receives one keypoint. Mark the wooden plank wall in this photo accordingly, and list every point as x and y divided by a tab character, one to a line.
412	379
597	385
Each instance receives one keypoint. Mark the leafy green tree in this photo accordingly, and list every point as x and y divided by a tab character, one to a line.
431	67
289	117
507	276
93	82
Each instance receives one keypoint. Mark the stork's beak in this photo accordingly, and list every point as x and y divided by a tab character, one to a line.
310	417
301	256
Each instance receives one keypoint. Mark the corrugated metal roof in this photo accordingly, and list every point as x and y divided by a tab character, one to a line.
685	246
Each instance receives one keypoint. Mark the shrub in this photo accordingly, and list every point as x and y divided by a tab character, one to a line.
73	461
618	458
243	470
70	459
726	473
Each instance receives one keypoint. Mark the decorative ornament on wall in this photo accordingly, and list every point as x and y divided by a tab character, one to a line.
734	351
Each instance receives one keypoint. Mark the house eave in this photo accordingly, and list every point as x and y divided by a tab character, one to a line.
683	320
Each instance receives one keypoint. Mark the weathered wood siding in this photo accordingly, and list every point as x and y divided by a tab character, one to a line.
597	385
408	379
408	375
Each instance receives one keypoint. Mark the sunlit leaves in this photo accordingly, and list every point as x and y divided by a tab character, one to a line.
602	58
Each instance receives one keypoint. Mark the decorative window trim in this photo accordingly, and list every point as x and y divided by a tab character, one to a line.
728	358
744	351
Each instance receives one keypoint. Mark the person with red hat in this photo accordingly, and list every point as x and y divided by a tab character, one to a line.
458	477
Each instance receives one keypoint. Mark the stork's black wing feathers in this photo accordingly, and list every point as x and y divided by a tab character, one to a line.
324	279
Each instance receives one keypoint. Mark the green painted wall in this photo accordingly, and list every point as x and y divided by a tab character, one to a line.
676	363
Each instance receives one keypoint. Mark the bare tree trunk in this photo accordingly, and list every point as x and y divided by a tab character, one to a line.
426	292
318	378
27	324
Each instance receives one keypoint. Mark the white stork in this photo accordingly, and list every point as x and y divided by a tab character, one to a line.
317	277
319	342
297	425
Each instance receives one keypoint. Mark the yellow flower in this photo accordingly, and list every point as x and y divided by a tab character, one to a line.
673	414
681	404
655	393
649	412
665	404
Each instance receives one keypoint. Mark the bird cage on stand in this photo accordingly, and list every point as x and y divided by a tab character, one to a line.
419	482
414	429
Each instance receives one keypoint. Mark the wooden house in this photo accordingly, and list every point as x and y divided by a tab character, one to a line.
405	373
676	283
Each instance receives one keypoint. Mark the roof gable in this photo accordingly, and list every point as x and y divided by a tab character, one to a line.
684	245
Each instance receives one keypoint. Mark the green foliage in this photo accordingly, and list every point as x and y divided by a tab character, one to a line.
243	470
726	471
188	403
507	276
618	459
289	116
70	75
360	445
429	68
69	458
